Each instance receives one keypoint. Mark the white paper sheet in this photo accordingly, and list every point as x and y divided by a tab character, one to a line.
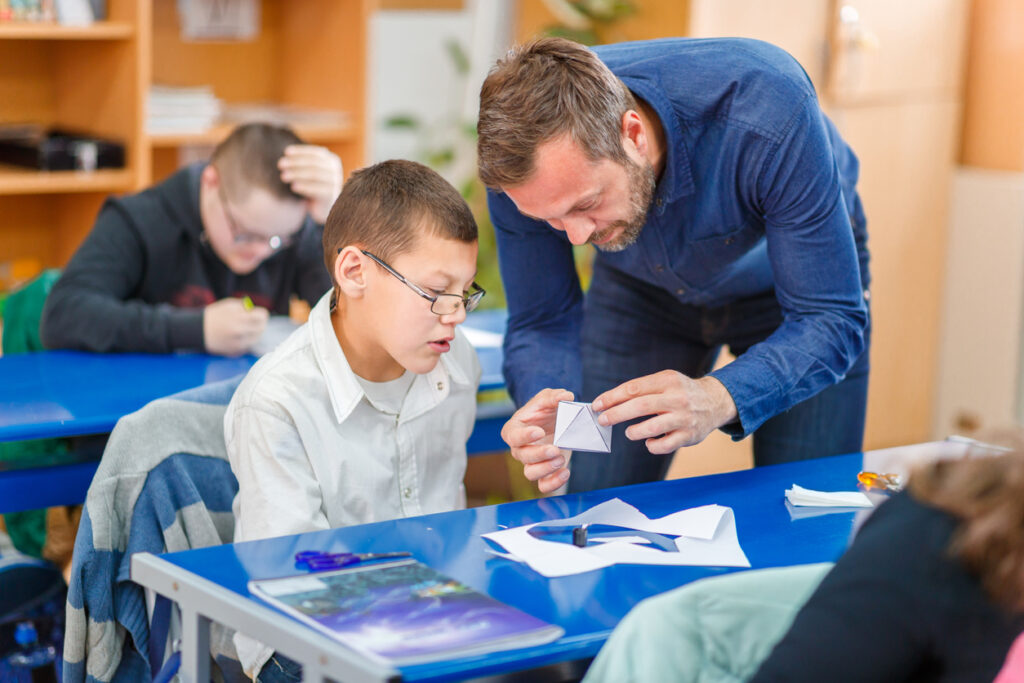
799	496
279	328
576	428
707	537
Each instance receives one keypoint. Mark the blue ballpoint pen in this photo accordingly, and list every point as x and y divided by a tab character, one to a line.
316	560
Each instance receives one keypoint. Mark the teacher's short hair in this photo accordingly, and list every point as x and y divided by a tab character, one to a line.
540	91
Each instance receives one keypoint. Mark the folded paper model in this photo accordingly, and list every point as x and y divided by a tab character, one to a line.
576	428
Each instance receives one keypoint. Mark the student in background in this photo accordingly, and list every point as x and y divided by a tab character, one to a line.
167	269
363	414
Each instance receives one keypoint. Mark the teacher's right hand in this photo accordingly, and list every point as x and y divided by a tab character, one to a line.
530	433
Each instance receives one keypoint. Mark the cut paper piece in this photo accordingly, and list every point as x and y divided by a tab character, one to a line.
482	339
620	539
798	495
576	428
707	538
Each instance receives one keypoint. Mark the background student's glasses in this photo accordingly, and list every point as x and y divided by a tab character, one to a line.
440	304
247	237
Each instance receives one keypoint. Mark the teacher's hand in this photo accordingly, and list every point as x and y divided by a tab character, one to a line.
684	410
530	433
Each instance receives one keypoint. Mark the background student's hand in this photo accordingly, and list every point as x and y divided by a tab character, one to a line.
684	410
530	433
229	329
315	173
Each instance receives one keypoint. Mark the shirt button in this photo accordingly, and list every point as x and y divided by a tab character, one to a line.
659	268
440	386
680	291
407	492
728	241
658	201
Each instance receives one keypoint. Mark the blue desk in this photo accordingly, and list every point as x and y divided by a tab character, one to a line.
73	393
210	583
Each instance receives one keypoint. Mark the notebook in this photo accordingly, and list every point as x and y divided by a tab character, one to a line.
404	612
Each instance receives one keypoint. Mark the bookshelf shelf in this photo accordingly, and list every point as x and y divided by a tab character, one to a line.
311	133
100	30
15	180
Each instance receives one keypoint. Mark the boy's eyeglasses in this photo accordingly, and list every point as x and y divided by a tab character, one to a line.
240	236
440	304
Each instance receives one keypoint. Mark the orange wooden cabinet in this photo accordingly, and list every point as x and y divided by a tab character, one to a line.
95	79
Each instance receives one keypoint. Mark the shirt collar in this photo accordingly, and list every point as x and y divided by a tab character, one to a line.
344	389
677	179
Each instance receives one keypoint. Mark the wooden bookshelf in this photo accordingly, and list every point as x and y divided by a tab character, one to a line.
309	54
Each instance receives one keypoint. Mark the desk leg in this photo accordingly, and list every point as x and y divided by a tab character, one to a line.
195	647
313	674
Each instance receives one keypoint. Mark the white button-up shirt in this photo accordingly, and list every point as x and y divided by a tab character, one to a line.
311	451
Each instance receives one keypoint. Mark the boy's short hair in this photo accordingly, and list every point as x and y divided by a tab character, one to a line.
384	208
539	91
248	158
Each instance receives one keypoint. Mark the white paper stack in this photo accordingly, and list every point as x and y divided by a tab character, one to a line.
181	110
798	495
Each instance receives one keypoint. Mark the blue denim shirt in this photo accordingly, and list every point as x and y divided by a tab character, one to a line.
758	193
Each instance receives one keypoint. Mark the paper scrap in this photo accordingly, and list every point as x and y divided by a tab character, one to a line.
620	539
279	328
707	537
798	495
576	428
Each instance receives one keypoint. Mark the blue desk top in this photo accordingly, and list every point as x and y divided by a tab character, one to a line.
70	393
587	606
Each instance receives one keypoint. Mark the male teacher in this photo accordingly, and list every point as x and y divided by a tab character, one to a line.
724	209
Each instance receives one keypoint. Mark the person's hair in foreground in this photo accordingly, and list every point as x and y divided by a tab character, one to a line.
986	495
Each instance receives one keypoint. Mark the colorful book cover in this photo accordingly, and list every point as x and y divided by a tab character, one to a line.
404	612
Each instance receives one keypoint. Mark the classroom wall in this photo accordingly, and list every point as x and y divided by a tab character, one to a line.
981	368
421	77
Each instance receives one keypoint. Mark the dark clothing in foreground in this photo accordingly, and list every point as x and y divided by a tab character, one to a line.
896	607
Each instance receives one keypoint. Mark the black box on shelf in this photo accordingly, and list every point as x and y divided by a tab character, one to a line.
57	150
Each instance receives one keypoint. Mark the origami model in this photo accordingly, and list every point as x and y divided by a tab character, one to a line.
576	428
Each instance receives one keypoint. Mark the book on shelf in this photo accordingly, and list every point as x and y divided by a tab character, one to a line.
173	109
404	613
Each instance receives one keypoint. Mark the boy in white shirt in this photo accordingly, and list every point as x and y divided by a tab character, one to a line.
363	413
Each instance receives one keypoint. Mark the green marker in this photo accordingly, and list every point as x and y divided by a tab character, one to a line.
247	303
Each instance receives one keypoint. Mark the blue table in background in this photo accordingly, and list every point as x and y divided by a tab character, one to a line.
73	393
210	583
